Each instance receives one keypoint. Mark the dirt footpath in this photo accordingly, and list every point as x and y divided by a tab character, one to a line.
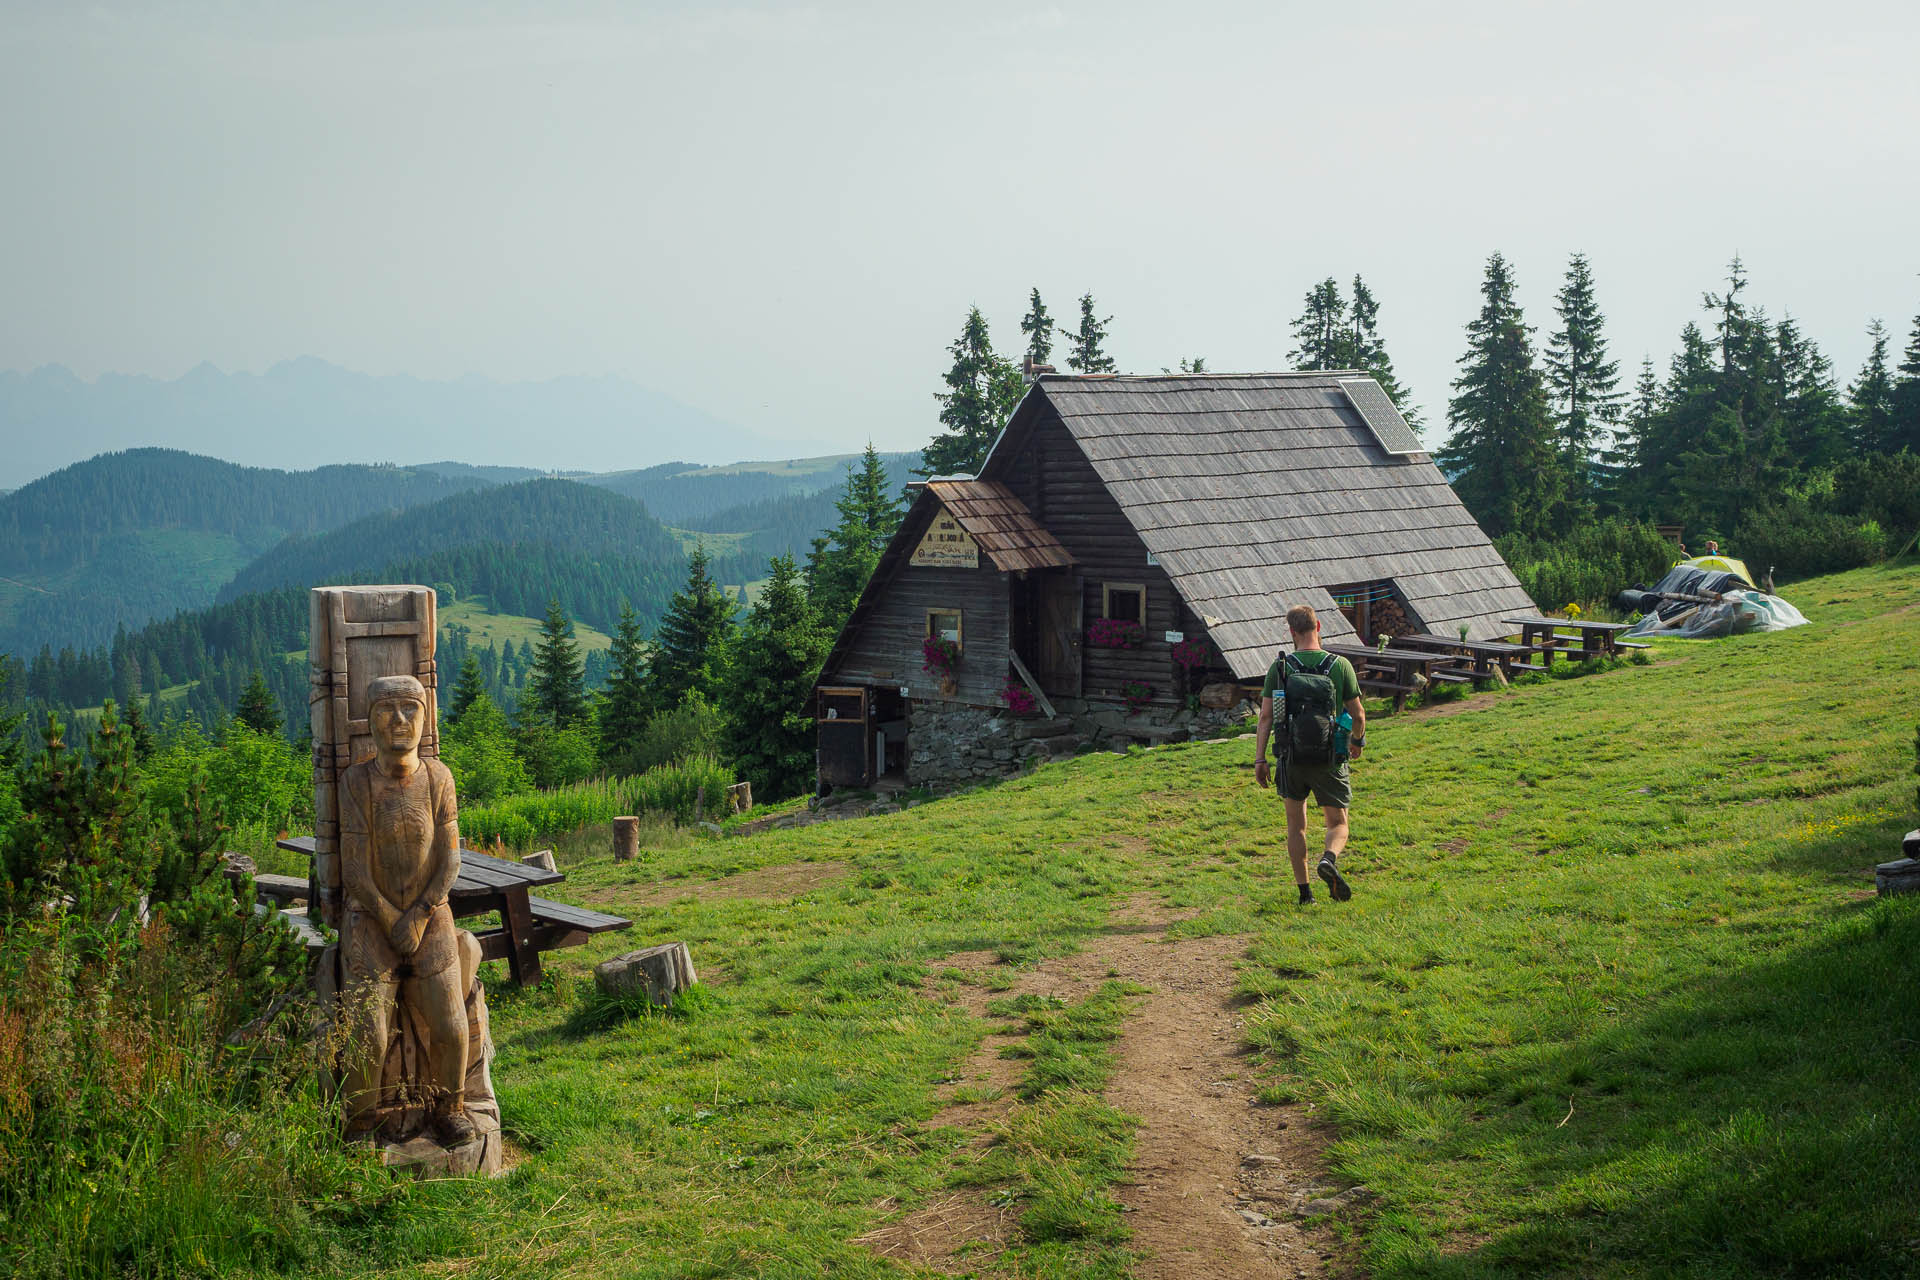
1218	1184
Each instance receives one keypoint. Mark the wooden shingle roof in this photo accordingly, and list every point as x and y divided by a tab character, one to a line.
1259	491
1001	524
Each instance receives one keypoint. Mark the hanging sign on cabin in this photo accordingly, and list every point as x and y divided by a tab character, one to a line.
946	545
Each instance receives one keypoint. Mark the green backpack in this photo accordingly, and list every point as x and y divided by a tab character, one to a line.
1311	709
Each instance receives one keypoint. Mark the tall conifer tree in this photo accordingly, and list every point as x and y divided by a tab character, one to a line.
1813	417
694	642
1585	384
841	563
1088	353
258	709
1038	326
1321	336
1501	454
1872	396
1327	334
770	737
625	703
982	390
469	685
1369	351
556	686
1905	403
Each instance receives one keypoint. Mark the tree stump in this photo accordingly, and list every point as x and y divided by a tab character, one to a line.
1900	876
626	839
659	973
740	797
542	859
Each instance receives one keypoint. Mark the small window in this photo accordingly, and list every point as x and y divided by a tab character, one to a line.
1124	601
943	624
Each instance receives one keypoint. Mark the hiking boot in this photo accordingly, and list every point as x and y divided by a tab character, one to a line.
1336	883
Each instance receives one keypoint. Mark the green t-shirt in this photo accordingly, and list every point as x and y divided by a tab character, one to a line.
1345	683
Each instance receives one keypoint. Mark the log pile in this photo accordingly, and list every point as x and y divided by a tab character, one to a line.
1389	618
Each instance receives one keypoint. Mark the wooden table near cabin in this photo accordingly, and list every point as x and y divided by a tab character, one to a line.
1484	654
528	925
1392	670
1596	639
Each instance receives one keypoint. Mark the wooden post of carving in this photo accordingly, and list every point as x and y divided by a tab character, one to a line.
626	839
358	634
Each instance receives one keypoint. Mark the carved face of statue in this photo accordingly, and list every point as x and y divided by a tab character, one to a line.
397	724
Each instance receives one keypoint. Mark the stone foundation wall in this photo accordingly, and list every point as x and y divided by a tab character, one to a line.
951	744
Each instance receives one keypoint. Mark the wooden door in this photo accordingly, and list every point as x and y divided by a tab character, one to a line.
843	737
1059	638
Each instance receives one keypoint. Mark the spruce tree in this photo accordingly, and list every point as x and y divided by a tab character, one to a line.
1501	452
1328	335
1813	417
257	708
1368	351
1321	335
1585	384
468	685
842	562
556	688
1088	353
982	391
625	703
1038	326
139	732
1905	429
770	736
1871	396
693	644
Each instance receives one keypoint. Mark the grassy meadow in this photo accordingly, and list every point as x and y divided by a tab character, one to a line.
1612	998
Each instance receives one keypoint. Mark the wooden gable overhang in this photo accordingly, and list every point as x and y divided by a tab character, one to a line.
925	567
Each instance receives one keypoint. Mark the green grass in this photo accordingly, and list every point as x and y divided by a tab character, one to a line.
1607	1000
495	629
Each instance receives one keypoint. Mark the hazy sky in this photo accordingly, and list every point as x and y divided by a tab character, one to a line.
781	213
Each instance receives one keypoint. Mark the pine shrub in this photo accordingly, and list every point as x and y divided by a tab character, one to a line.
1797	541
1589	566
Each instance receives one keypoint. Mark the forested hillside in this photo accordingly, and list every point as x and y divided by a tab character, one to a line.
682	494
126	537
785	525
576	518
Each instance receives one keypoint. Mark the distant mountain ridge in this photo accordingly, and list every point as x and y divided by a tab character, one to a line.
125	538
307	412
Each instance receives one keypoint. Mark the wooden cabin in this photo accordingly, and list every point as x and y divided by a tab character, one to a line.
1187	510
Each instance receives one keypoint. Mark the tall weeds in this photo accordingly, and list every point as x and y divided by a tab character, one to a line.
671	790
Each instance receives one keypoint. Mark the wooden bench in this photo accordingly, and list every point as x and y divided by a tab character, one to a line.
528	925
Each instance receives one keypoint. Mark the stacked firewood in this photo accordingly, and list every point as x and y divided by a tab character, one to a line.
1389	618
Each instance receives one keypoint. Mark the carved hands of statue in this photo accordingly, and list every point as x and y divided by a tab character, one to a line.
408	930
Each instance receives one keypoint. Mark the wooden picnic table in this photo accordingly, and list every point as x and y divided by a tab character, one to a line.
528	925
1596	639
1483	654
1392	670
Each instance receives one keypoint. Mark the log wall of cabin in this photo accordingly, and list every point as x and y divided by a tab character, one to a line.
884	648
1053	477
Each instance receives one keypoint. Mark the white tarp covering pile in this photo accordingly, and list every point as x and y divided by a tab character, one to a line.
1735	613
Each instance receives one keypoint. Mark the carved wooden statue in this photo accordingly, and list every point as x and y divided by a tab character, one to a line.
402	984
400	954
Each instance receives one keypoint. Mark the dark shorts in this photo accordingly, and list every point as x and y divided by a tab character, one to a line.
1327	783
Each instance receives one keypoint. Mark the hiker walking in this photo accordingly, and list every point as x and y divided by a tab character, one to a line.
1313	743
